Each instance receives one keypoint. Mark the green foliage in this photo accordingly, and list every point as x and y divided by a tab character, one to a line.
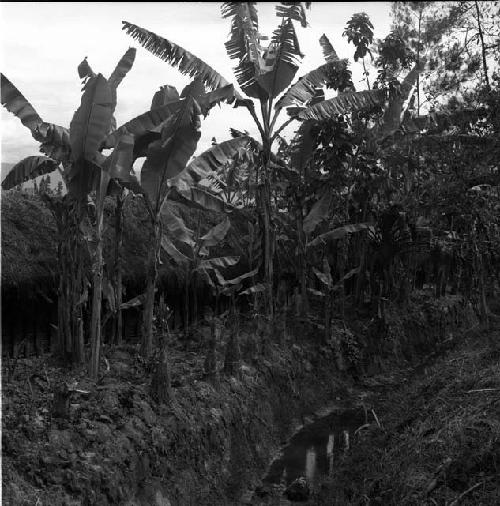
359	31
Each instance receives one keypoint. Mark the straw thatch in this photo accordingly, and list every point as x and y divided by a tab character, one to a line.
29	247
29	243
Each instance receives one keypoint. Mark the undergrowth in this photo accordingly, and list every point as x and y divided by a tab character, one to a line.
438	442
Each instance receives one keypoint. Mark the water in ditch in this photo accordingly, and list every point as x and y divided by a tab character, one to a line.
311	453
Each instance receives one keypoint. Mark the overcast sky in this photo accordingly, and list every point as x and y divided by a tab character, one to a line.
42	44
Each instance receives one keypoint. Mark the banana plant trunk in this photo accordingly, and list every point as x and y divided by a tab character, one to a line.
304	303
186	301
118	268
265	204
151	278
328	315
97	268
195	298
71	290
161	383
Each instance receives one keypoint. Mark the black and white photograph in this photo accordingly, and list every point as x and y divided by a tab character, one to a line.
250	253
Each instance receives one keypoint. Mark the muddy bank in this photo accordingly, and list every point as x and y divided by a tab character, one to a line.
212	445
118	447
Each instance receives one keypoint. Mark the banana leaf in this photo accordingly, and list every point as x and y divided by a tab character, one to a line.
214	159
340	232
220	262
84	69
329	52
124	65
258	288
344	103
176	227
316	292
199	199
14	101
135	302
216	234
187	63
306	87
119	163
235	281
173	252
283	57
144	123
92	120
340	283
293	10
168	156
209	100
318	213
27	169
326	276
164	95
301	149
244	46
55	141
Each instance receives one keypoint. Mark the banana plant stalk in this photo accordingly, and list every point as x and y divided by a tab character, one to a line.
118	324
97	271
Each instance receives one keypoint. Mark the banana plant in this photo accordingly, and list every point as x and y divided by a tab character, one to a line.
328	291
264	74
167	136
84	169
194	254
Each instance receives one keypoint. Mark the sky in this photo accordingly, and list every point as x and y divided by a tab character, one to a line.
42	44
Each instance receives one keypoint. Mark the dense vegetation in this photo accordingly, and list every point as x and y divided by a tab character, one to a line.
380	193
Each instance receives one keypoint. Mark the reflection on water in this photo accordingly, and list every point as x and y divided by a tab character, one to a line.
310	463
313	450
329	452
345	433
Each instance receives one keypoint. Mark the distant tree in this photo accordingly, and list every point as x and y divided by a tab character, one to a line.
59	189
359	31
463	41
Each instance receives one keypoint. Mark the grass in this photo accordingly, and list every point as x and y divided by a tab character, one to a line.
439	440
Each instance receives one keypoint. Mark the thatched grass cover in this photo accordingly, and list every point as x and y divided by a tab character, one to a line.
29	243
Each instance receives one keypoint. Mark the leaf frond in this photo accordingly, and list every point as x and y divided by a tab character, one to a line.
29	168
293	10
344	103
186	62
15	102
124	65
306	87
329	52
